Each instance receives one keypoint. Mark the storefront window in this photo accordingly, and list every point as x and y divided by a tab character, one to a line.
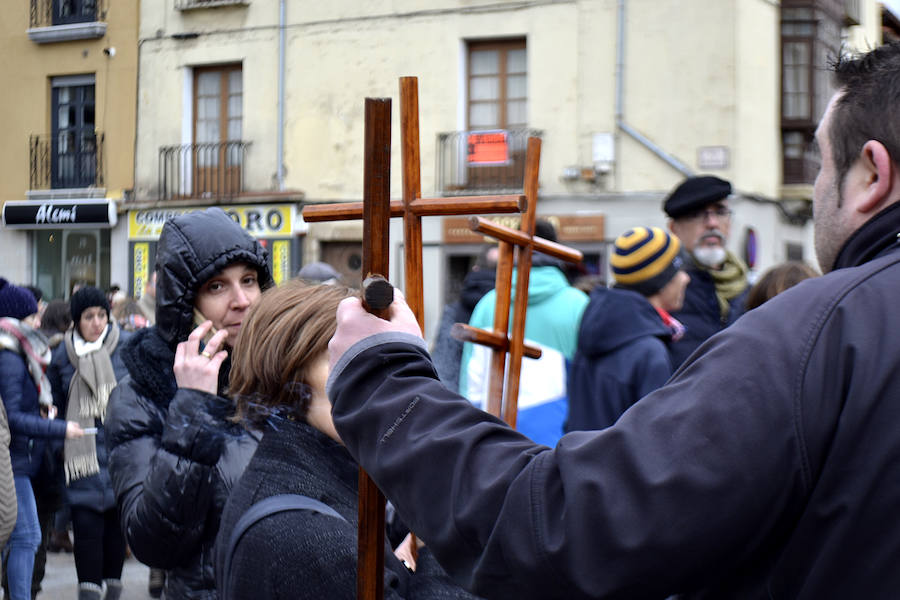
64	258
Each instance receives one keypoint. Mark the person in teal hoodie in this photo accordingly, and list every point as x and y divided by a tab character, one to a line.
552	322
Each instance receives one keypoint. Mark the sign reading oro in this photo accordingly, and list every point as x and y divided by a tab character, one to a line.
260	220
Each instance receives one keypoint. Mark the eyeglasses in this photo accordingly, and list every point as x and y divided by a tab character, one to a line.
722	213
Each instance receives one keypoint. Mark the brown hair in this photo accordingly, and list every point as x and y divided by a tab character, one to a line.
284	333
776	280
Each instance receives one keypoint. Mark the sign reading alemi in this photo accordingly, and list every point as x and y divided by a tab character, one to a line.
59	214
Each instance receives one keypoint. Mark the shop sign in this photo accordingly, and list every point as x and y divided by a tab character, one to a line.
569	228
141	268
59	214
260	220
281	261
487	148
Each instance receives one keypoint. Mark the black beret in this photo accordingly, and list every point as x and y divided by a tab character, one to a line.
695	193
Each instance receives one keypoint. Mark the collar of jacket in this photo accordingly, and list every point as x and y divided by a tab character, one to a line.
878	234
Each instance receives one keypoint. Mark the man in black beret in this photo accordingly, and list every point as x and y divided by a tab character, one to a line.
699	215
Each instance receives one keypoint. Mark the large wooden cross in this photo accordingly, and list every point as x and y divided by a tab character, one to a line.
502	340
412	208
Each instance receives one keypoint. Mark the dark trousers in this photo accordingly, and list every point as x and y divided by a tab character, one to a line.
99	544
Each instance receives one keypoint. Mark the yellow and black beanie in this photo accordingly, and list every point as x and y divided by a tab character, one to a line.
645	259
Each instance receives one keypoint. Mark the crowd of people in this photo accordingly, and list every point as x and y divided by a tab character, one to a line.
684	434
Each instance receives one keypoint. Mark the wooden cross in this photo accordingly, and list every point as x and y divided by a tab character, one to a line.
502	340
370	562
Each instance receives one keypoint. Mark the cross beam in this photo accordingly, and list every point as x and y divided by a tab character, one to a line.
504	340
375	243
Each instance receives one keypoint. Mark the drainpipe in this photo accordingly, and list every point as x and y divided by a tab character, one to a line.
279	166
620	94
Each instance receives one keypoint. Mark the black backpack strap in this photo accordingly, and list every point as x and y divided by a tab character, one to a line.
257	512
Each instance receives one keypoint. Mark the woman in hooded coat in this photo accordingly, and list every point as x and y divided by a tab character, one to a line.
174	453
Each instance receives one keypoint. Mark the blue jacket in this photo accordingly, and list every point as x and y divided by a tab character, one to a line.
94	491
622	356
700	313
765	468
29	432
552	320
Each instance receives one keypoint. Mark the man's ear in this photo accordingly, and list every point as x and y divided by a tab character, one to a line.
879	184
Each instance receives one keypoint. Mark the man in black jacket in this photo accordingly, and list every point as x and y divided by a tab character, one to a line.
766	468
700	216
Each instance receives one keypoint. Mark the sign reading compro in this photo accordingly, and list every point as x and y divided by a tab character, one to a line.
487	147
260	220
569	228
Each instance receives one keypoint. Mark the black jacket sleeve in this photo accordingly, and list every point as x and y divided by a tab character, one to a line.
161	464
689	483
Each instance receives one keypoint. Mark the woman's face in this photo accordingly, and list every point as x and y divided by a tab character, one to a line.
92	323
225	298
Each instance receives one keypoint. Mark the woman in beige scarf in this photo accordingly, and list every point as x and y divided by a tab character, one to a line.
84	370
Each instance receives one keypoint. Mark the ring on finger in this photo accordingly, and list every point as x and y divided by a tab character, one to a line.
206	354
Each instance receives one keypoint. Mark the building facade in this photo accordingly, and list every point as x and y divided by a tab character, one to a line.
257	106
68	116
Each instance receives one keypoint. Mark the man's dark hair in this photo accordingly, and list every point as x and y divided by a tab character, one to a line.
867	109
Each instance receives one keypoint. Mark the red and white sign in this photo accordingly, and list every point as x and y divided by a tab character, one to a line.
488	147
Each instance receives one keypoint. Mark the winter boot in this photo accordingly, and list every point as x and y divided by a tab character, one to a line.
113	589
89	591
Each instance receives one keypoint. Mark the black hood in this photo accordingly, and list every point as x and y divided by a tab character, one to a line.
615	317
192	248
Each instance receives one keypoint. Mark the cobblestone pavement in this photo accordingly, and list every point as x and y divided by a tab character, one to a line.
61	583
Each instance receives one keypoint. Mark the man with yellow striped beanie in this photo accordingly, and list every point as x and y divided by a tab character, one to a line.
622	353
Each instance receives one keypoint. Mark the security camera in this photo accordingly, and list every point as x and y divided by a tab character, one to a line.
110	52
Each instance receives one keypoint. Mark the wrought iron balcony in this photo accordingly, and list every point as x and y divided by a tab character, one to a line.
66	160
47	13
476	162
206	170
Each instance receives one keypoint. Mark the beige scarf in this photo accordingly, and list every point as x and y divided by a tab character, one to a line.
89	391
730	281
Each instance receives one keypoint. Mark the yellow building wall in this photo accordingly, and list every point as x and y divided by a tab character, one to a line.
25	104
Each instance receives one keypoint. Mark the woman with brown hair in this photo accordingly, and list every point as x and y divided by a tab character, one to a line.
278	377
778	279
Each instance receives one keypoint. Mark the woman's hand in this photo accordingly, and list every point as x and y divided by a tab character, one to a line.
200	370
73	430
405	552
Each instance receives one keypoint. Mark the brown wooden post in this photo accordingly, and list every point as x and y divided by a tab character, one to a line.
503	390
376	251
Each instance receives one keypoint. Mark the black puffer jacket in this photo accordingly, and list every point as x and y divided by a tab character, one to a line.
174	455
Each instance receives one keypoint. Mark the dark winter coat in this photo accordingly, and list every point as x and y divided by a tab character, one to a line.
30	433
765	468
174	455
447	351
94	491
302	554
622	356
700	313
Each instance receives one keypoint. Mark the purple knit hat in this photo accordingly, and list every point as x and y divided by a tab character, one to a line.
16	302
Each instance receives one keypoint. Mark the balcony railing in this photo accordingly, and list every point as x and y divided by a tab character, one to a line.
66	160
206	170
46	13
463	170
